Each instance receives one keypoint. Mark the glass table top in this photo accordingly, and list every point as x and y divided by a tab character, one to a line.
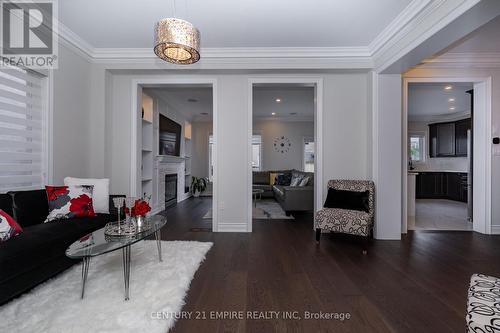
98	242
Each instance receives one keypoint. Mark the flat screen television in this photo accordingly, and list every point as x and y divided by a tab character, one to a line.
170	137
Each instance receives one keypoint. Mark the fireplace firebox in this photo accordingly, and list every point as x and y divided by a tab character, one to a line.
170	190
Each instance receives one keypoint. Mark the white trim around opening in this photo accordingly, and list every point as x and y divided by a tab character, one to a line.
481	214
317	82
172	80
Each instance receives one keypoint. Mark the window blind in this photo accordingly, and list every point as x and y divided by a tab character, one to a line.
21	130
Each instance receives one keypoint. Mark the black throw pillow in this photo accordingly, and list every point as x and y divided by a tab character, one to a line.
352	200
284	179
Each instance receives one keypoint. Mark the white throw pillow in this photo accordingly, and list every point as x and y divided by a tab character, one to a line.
295	181
100	195
304	181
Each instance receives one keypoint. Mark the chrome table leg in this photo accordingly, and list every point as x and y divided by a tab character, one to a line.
126	269
158	243
85	272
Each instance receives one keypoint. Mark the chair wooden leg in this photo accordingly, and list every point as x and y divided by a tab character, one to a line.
318	235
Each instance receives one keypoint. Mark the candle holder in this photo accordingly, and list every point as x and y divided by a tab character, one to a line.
129	203
118	202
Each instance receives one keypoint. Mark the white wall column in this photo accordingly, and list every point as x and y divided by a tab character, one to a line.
232	160
387	154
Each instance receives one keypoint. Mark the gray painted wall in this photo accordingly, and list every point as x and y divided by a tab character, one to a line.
294	131
346	133
200	133
71	118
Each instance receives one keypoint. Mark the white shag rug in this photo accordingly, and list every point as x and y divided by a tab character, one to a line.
55	306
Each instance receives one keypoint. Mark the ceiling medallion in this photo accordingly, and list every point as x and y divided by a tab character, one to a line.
177	41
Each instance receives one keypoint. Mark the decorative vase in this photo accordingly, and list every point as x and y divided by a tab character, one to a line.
196	193
140	221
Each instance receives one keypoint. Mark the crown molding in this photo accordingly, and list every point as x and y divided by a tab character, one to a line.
407	32
242	52
251	57
74	42
405	17
424	17
463	60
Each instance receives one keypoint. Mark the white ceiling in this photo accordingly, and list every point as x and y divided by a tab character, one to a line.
430	100
297	102
484	39
191	101
229	23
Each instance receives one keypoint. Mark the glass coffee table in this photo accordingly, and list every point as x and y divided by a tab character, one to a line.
98	243
257	192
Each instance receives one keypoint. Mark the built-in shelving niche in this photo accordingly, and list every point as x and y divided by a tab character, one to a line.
147	145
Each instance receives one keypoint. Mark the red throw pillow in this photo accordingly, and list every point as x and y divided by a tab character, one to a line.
69	201
8	227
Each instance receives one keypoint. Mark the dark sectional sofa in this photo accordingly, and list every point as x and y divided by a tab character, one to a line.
38	253
290	198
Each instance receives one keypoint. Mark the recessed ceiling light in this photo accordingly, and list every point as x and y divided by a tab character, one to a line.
278	100
448	87
273	113
192	100
452	108
451	100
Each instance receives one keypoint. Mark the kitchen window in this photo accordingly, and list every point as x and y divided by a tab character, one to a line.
416	145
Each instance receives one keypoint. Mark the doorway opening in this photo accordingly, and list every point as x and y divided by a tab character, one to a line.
176	147
446	160
283	151
440	155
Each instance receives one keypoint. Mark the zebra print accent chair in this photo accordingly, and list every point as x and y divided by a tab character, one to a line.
348	221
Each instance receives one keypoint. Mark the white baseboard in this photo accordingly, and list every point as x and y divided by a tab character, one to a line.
156	210
236	227
495	229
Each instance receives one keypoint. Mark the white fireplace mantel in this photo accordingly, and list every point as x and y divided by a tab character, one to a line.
170	159
167	165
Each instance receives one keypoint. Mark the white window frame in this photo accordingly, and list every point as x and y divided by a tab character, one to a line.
48	124
46	105
261	151
423	146
210	157
304	141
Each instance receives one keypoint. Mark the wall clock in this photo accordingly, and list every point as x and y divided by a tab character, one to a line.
282	144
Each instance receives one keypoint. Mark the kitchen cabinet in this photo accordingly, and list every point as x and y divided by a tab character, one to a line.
442	185
461	128
430	185
454	186
449	139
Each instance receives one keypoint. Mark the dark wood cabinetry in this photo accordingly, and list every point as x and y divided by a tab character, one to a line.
461	128
442	185
449	139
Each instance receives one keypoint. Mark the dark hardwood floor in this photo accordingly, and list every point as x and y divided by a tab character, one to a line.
418	284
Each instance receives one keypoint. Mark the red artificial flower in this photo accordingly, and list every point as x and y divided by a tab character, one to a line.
82	206
55	191
141	207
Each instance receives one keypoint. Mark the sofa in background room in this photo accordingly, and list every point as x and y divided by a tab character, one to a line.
290	198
